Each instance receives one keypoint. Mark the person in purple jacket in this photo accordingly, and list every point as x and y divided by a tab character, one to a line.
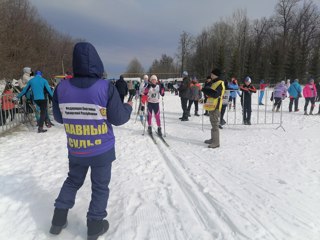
279	94
87	106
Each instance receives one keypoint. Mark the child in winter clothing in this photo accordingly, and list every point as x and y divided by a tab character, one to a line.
195	95
7	105
294	93
310	94
247	90
233	85
88	106
262	89
279	94
143	98
154	91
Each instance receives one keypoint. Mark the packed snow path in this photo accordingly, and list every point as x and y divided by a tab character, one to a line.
261	183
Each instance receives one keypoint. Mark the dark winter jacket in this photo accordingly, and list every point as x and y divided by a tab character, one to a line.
122	86
184	91
210	93
73	94
247	90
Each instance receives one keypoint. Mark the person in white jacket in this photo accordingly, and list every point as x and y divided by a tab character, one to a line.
25	77
143	98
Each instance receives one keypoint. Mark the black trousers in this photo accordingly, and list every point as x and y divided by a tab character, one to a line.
312	101
184	105
196	105
223	111
277	102
247	112
296	102
43	108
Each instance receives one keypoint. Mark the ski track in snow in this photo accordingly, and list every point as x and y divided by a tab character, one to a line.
261	184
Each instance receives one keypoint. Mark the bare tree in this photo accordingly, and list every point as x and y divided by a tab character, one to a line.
134	69
164	68
184	49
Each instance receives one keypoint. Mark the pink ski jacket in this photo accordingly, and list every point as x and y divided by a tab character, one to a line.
310	90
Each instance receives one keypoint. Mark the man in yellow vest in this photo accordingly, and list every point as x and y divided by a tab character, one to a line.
213	105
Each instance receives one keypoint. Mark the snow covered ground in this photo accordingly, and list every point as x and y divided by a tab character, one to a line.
261	183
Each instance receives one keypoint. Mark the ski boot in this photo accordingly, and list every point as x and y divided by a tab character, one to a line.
159	131
196	114
149	130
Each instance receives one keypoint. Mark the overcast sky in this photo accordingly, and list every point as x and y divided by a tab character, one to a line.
123	29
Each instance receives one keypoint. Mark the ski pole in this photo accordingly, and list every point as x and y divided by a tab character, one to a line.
202	118
137	112
135	105
145	119
164	120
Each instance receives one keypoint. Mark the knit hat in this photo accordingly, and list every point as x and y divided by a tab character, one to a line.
145	77
27	70
310	80
194	80
247	79
185	73
38	73
216	72
153	77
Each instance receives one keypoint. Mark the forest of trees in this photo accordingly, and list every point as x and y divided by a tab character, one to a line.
26	39
285	45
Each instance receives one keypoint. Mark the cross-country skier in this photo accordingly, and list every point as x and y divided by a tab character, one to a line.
154	90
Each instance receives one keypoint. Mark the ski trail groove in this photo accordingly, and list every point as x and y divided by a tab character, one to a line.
208	213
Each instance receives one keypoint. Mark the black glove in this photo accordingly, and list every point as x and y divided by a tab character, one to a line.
149	86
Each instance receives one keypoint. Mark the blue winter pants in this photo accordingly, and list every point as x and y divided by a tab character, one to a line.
261	96
100	179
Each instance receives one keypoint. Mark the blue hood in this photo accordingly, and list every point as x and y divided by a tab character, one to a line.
86	61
